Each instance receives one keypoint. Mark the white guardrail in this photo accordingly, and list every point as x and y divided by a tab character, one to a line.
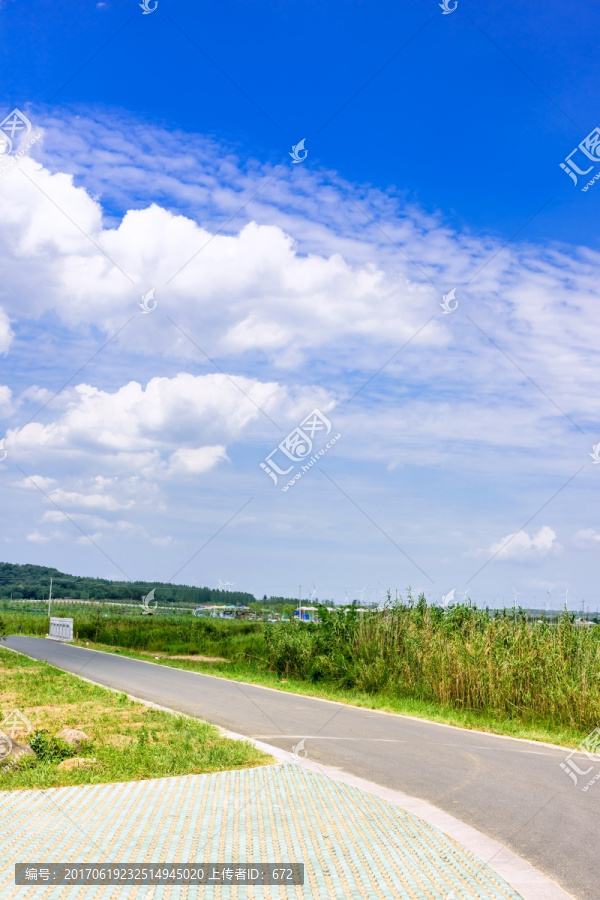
61	629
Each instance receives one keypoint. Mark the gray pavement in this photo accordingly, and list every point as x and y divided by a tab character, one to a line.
513	791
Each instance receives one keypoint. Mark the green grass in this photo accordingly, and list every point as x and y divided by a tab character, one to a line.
180	634
131	741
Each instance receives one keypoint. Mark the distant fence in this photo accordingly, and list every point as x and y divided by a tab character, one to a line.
61	629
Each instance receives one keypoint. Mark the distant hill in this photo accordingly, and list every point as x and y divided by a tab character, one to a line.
29	581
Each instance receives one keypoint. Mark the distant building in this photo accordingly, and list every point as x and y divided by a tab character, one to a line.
306	614
221	612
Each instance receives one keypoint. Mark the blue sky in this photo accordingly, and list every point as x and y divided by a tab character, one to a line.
432	141
449	119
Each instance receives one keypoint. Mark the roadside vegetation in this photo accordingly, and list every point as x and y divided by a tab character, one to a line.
498	672
127	740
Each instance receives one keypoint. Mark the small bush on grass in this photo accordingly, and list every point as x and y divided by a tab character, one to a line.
50	749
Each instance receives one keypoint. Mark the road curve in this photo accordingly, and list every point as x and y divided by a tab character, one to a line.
513	791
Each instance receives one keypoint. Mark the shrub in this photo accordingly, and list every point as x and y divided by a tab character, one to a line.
290	648
50	749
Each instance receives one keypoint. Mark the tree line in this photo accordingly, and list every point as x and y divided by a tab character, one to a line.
32	582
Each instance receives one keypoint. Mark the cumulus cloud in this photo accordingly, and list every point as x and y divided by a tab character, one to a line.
522	546
146	438
194	461
188	415
250	291
301	275
35	394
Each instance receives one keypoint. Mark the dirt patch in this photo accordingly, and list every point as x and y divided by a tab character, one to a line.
8	698
199	658
52	711
157	654
190	656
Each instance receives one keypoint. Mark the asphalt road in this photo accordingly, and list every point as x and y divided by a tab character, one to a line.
513	791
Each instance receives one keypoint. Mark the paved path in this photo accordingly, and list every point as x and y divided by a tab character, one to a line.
352	845
513	791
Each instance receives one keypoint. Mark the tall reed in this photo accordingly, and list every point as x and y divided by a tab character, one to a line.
462	657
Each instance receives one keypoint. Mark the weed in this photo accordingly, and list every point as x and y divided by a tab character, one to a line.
48	748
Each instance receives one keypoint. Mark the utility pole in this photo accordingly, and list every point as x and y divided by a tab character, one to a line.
300	603
50	597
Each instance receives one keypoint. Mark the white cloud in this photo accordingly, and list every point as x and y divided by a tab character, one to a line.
70	499
43	537
587	537
134	424
6	405
144	439
190	461
6	332
522	546
301	300
35	394
304	277
86	520
38	481
250	291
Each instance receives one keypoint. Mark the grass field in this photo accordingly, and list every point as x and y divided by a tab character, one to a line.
129	740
